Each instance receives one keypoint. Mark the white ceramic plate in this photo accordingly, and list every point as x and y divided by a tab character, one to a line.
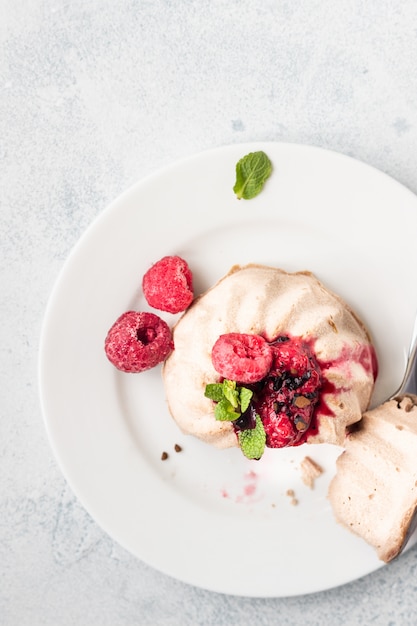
208	517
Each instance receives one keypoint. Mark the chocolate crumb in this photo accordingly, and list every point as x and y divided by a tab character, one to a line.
177	448
164	456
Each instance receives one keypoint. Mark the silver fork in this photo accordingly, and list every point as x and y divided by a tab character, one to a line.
409	382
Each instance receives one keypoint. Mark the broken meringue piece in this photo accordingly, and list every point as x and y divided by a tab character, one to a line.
374	491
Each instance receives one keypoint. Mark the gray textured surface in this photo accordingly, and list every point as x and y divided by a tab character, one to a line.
93	96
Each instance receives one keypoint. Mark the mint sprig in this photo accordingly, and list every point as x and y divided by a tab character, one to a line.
231	401
251	173
252	440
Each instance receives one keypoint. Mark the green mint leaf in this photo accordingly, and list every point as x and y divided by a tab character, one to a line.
230	400
214	391
225	412
230	392
252	440
251	173
245	396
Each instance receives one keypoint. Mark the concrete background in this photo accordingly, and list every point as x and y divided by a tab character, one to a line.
94	95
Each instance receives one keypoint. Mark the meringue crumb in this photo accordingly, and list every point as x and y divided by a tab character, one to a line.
310	470
293	500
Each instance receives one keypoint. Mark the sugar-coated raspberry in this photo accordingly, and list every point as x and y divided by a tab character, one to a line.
168	285
242	357
138	341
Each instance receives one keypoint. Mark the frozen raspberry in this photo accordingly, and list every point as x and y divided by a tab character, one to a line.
138	341
241	357
290	393
168	285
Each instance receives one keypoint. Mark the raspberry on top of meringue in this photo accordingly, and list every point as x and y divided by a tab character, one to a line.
243	357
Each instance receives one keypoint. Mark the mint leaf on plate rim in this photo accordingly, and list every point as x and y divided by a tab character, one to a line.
252	171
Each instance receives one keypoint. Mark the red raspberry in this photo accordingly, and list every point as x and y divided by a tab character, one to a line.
240	357
138	341
168	285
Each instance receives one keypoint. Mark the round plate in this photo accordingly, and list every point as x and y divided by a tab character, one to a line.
210	517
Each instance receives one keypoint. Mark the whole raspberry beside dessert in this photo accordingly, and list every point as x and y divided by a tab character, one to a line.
168	285
138	341
300	351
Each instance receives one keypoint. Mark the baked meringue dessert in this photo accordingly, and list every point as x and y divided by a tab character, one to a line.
374	491
303	356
